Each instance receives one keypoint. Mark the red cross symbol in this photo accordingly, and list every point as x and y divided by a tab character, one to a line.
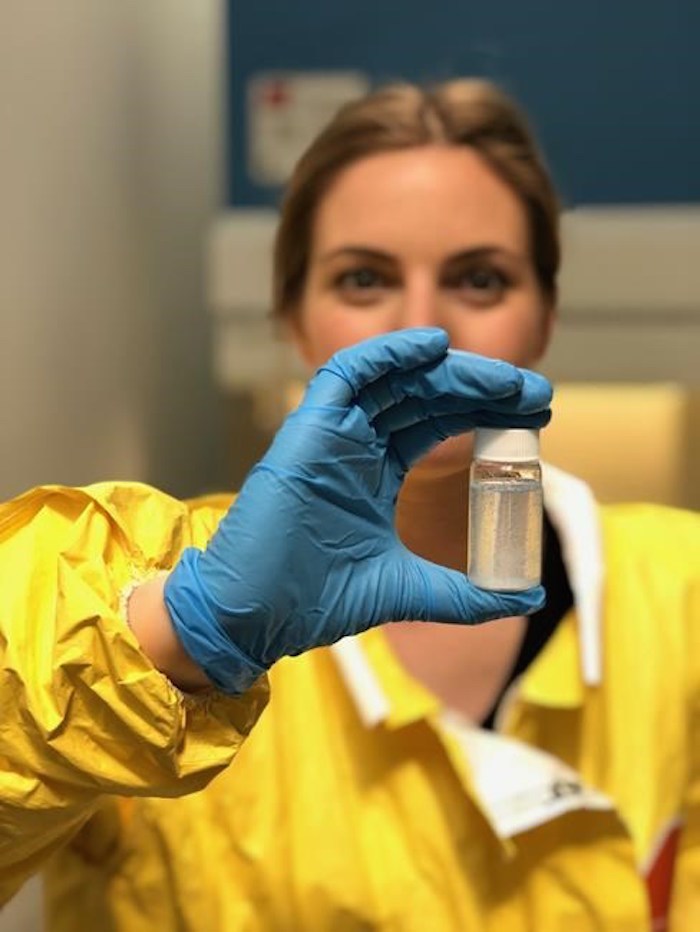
275	94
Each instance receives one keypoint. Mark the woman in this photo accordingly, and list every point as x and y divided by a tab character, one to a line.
365	797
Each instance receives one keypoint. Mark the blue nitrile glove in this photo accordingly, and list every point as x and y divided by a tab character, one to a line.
309	553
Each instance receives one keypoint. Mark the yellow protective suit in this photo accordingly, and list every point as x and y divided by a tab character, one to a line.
355	802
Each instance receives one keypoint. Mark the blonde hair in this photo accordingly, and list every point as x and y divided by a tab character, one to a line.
464	112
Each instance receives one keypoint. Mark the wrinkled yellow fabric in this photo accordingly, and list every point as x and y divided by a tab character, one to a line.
322	823
83	713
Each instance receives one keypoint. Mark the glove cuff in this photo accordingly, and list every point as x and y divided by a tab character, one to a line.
194	617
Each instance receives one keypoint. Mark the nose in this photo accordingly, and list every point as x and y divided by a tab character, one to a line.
420	303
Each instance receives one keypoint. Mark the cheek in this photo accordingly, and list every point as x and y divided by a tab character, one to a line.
515	335
324	328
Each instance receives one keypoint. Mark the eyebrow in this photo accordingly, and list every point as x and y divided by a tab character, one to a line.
365	252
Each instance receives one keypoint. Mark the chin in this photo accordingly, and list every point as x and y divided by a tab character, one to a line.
450	456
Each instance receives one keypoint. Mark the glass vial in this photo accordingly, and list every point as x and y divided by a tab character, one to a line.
505	510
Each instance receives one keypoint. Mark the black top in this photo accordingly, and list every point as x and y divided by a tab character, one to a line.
542	625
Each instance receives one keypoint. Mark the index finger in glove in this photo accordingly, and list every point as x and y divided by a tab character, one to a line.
466	377
534	397
350	370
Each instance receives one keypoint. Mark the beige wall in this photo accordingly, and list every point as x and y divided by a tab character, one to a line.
630	442
109	175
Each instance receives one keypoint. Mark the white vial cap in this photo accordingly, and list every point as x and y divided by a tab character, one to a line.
514	445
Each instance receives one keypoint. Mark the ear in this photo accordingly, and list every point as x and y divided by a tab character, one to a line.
550	313
294	333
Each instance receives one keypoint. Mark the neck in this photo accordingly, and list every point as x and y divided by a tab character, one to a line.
432	514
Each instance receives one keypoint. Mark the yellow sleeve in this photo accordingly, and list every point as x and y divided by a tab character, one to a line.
82	710
685	903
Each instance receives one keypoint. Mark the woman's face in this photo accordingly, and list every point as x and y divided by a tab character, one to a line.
428	236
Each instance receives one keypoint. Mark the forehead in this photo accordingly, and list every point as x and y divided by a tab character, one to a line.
428	198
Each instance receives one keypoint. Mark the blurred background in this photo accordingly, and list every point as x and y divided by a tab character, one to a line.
143	147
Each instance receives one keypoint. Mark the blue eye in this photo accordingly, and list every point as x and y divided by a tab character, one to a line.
481	284
361	279
485	279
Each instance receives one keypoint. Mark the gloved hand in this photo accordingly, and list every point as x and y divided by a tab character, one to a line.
308	553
